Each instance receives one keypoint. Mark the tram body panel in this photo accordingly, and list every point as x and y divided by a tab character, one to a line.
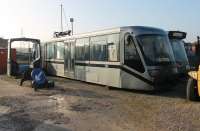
55	68
98	75
131	82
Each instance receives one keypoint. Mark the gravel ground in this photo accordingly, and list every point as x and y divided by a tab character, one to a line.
78	106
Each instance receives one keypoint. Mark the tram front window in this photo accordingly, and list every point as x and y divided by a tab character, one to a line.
179	51
156	50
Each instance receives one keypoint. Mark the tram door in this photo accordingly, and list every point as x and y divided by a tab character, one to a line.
69	59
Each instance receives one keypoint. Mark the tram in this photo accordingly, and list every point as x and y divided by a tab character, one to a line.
131	57
182	62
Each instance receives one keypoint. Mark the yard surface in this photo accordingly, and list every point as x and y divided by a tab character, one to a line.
79	106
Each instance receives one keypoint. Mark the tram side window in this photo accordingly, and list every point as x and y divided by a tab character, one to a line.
80	53
87	49
59	47
132	58
99	48
82	49
113	47
50	51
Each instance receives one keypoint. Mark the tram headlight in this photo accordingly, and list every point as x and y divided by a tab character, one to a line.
153	73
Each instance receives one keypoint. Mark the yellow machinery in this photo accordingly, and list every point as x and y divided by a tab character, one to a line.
193	85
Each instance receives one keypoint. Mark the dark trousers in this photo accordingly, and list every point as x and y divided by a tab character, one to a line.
26	76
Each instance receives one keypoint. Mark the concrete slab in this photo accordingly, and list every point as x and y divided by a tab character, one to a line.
48	127
4	110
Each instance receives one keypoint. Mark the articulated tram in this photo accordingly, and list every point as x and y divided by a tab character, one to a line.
133	57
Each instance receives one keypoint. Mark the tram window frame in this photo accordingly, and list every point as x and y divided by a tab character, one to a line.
135	62
25	51
59	47
113	42
96	53
52	53
84	55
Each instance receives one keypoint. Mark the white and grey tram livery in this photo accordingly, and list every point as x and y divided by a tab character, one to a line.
133	57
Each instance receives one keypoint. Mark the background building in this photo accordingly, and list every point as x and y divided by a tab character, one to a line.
3	43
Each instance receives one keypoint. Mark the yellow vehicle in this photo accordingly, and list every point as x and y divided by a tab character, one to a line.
193	85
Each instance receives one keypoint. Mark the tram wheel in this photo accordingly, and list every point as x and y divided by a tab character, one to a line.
191	91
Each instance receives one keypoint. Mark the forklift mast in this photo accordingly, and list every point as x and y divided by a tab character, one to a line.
197	53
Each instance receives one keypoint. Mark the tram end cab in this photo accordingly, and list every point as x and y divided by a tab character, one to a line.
28	55
181	59
148	56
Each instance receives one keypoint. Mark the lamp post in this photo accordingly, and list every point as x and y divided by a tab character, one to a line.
72	24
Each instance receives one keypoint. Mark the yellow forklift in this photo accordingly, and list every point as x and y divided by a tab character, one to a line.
193	85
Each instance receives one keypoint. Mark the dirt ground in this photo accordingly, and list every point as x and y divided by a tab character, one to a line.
78	106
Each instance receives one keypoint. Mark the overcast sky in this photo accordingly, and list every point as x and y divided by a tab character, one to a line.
40	18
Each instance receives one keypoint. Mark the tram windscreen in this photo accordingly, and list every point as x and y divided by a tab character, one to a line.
179	51
156	49
26	51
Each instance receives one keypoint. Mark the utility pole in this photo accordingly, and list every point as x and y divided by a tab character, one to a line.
9	59
61	18
72	24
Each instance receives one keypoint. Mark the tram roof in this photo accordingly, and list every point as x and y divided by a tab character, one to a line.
136	30
25	39
143	30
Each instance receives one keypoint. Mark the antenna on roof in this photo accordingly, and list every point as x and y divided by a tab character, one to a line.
61	17
63	33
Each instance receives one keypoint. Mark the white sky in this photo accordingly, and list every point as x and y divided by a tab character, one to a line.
28	15
40	18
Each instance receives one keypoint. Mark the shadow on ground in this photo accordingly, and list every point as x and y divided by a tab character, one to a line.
59	90
22	121
172	91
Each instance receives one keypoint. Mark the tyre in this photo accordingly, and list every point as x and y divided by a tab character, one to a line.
191	91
